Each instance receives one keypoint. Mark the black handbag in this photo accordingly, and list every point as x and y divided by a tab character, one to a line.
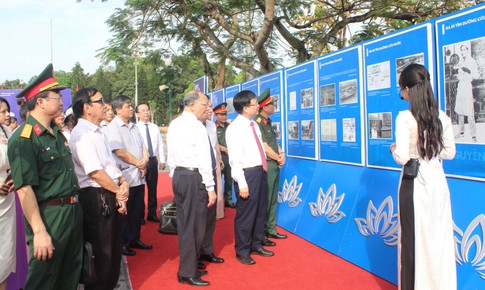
88	273
411	169
168	218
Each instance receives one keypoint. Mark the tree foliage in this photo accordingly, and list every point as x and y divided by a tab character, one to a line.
255	35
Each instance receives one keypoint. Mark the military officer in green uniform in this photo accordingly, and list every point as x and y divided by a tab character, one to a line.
221	124
43	175
275	158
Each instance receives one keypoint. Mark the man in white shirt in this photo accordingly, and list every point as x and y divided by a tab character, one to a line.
109	113
191	164
207	250
156	157
103	187
248	168
131	156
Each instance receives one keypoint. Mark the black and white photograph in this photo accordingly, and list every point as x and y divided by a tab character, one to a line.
465	89
329	129
230	106
277	129
348	125
307	129
276	102
293	130
348	92
403	62
306	96
380	125
327	95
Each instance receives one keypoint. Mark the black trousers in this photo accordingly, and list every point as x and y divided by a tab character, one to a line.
251	212
152	181
406	218
104	233
131	222
208	242
191	199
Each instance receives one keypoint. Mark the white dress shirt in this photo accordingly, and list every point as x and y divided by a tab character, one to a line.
242	148
126	137
188	146
91	153
155	136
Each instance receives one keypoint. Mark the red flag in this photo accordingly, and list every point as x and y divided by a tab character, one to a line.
77	88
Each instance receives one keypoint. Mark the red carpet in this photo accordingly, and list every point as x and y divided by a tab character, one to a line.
297	264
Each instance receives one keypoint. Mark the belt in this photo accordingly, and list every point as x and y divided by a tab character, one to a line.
61	201
255	168
187	168
153	157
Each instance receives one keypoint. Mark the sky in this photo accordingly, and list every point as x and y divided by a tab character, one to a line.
78	31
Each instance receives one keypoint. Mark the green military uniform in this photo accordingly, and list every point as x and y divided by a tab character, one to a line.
269	136
42	160
226	171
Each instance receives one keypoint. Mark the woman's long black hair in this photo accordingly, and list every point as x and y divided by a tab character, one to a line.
424	108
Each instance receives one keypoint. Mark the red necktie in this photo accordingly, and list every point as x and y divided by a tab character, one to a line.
260	148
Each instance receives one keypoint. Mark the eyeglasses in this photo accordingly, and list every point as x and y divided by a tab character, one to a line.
54	98
101	101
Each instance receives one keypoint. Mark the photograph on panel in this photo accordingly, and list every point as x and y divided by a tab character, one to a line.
307	129
329	129
347	91
230	106
293	130
276	102
379	76
327	95
292	101
348	125
306	98
277	129
380	125
464	64
403	62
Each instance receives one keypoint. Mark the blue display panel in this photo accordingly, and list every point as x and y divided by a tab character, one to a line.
230	93
300	111
217	97
274	81
384	59
460	50
200	84
340	95
252	85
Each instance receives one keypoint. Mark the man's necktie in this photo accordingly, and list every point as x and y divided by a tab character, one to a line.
260	148
149	142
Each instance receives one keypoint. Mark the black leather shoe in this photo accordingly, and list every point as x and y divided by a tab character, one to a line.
193	281
262	252
142	222
140	245
277	236
153	218
247	260
230	204
212	258
127	251
200	265
268	243
201	273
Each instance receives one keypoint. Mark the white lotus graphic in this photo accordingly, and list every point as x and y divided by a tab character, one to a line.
382	221
472	238
290	192
328	204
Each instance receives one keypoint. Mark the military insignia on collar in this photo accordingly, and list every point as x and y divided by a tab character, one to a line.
26	131
37	129
265	122
258	120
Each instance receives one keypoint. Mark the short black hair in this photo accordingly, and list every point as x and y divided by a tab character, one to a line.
242	99
136	109
83	96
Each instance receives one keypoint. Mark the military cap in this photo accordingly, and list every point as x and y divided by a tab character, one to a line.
220	109
44	82
264	99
